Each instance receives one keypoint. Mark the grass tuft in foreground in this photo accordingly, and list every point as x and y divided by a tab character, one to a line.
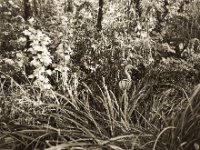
142	118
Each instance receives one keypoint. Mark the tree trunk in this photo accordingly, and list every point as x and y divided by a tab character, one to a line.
138	8
100	16
160	16
27	10
35	7
69	6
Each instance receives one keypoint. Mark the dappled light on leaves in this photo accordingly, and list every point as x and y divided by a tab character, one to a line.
99	74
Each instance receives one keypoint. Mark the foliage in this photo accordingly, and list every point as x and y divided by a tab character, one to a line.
60	72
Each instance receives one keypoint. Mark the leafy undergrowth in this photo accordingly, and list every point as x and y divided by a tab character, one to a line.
55	53
146	117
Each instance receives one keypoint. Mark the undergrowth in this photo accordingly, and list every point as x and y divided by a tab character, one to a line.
142	118
94	74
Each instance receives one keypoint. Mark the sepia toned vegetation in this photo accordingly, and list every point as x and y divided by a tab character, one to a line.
100	74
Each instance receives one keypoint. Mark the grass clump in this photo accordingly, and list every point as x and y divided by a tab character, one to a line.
142	118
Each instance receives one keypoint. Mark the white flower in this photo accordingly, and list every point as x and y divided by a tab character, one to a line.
32	51
151	60
22	39
39	33
111	9
39	56
37	103
42	85
33	38
37	48
181	46
19	55
44	50
11	2
144	34
20	63
31	20
47	87
45	41
69	50
41	77
58	69
46	60
7	13
9	61
60	34
38	72
67	59
138	27
27	32
49	72
31	76
32	30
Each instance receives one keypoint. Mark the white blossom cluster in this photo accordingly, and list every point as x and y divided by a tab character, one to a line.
41	57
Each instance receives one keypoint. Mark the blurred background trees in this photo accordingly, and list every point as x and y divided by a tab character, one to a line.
98	38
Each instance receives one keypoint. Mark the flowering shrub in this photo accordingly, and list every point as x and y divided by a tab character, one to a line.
65	46
50	66
40	57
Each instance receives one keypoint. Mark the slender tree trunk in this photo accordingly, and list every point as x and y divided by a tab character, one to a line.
27	10
166	11
69	6
100	16
160	16
138	8
35	7
27	15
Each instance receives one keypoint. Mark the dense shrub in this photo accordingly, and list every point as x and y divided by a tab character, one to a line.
62	62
